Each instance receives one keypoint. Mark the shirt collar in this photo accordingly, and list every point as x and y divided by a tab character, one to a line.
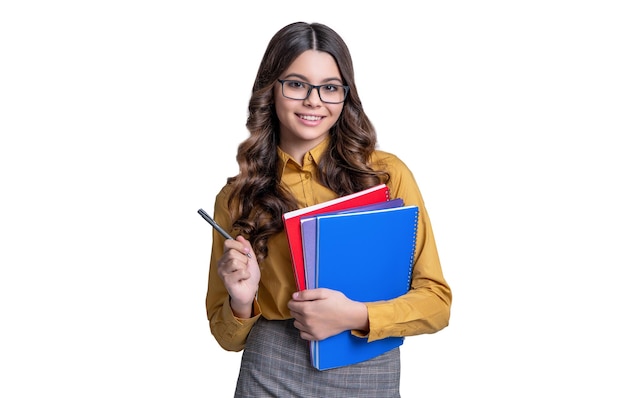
311	158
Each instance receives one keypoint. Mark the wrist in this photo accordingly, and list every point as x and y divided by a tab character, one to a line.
360	318
242	310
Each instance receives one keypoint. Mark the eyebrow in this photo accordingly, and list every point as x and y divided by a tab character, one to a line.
301	77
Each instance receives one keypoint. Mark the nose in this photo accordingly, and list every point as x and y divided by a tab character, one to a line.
314	98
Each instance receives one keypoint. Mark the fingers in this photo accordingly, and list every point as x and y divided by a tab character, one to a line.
304	334
247	250
237	264
309	330
240	245
233	267
236	254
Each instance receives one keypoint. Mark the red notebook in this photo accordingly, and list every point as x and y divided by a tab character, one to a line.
291	220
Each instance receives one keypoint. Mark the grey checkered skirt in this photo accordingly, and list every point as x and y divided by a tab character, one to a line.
276	363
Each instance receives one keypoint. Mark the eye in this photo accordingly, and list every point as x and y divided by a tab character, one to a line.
295	84
330	88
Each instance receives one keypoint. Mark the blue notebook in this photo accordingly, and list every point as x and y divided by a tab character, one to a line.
309	235
367	255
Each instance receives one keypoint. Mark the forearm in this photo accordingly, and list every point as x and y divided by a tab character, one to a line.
421	311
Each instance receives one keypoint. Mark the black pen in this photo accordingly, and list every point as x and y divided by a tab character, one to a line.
217	227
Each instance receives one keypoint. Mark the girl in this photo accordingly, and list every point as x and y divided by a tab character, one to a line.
310	141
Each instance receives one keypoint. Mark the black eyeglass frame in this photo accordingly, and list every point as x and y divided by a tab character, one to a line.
311	87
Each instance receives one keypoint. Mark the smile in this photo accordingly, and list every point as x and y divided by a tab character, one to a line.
310	118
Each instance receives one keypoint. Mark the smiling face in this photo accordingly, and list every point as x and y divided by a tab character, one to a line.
305	123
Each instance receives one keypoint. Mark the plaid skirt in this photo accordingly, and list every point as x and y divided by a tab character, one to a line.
276	363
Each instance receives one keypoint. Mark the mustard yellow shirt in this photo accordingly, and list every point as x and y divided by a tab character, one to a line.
424	309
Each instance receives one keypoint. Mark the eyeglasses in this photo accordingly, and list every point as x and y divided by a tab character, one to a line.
329	93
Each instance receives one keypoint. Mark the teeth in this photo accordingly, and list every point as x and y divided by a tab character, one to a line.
312	118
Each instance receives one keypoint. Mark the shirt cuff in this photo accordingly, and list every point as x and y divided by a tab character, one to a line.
236	329
377	315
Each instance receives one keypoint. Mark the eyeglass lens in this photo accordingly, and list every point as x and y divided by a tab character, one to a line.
332	93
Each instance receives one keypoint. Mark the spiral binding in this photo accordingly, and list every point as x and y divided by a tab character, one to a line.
417	212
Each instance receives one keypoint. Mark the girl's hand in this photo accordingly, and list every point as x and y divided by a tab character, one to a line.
240	274
321	313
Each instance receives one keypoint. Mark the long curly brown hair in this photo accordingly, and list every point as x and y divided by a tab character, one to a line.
257	200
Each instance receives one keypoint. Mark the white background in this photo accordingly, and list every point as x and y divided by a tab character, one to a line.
120	119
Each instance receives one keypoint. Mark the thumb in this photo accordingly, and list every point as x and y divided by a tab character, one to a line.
307	295
247	248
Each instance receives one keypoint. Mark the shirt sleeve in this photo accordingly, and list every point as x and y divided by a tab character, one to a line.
426	306
229	331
